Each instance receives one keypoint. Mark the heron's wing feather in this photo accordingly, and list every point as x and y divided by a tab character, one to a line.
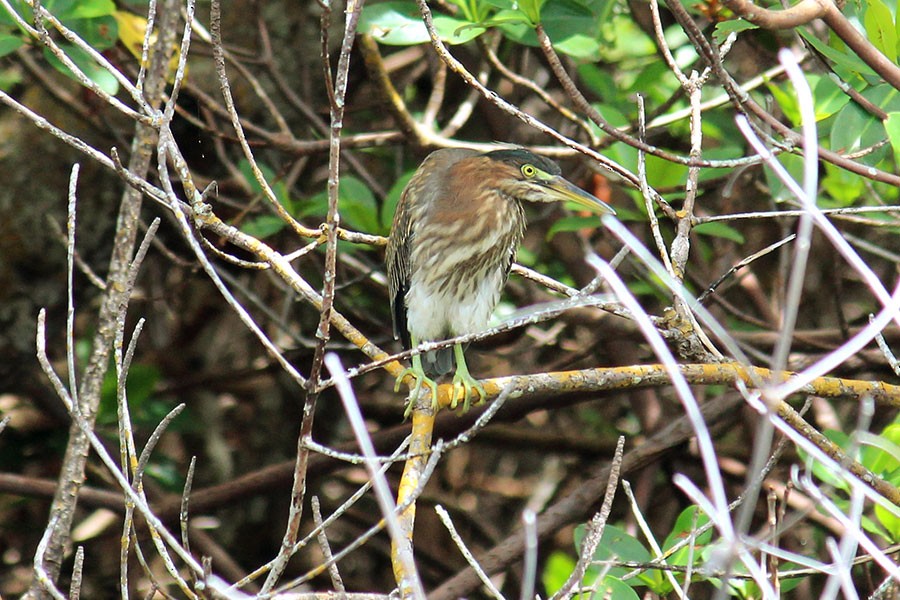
397	258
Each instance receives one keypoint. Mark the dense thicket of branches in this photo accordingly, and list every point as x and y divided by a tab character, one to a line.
220	192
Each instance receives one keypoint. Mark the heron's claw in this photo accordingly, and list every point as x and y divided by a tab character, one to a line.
463	387
421	379
464	384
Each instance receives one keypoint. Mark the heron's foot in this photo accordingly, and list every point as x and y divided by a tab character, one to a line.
464	388
464	385
418	373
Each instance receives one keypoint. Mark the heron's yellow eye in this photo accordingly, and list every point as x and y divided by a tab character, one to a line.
529	170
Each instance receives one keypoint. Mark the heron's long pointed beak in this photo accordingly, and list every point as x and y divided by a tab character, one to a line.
562	190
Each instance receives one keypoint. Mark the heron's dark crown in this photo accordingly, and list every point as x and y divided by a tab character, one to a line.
519	156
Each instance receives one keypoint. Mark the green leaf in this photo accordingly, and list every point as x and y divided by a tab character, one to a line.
599	81
828	97
572	223
21	9
719	229
617	544
90	9
400	24
690	520
557	569
665	173
167	473
139	389
356	205
823	472
531	9
723	28
477	11
794	166
65	10
100	32
263	226
892	126
881	453
9	43
572	27
855	128
843	187
393	198
278	187
846	60
612	587
880	29
787	101
104	80
890	522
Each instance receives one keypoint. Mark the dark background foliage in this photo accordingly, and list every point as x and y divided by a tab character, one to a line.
242	411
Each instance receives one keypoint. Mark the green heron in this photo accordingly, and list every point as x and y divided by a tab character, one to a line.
453	240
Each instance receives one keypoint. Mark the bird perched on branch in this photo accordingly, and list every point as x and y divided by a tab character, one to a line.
453	240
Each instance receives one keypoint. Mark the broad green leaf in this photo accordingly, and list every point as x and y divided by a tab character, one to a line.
263	226
850	127
21	9
842	187
890	522
827	96
855	128
823	472
880	29
612	587
723	28
139	388
393	198
572	223
167	473
579	46
100	76
778	191
868	524
9	43
531	9
477	11
881	453
279	189
356	205
844	59
665	173
400	24
9	78
572	27
787	101
617	544
557	569
65	10
91	9
892	126
599	81
719	229
100	32
690	520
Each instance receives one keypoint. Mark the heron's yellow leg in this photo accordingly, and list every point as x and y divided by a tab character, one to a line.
463	382
419	374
